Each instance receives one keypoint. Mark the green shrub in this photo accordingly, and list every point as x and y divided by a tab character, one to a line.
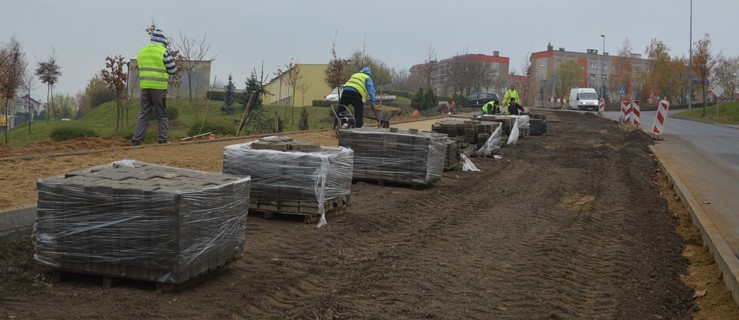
303	123
173	113
68	133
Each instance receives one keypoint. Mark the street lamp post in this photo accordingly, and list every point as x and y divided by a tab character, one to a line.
690	61
602	69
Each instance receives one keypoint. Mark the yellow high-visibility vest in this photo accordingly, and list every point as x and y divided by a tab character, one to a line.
359	81
152	73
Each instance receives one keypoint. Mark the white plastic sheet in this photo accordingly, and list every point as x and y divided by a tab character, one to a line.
468	165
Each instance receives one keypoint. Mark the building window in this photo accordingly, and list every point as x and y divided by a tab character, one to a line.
605	66
592	76
593	65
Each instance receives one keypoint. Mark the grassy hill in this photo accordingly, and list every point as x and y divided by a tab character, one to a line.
102	120
728	113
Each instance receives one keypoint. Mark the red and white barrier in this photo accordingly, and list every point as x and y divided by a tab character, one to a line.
659	120
625	111
635	113
601	106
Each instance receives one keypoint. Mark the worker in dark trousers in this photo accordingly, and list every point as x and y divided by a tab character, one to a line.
514	107
356	91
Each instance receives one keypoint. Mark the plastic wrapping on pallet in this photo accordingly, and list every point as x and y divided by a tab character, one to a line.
292	181
404	157
135	220
494	142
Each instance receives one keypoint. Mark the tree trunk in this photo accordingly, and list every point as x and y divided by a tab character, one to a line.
705	100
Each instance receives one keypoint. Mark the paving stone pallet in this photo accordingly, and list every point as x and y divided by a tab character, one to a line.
292	177
390	155
134	220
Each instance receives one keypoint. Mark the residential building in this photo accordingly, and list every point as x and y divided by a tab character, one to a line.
495	80
594	66
309	85
17	108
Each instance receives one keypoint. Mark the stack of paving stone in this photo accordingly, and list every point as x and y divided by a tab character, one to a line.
291	176
466	131
451	158
134	220
388	155
506	121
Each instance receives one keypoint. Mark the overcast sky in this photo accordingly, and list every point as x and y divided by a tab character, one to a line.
243	34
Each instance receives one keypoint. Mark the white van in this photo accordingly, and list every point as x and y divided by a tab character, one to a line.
583	99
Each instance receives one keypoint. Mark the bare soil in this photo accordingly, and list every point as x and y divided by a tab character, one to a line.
578	224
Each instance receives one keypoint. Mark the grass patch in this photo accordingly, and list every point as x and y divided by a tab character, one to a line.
728	113
190	118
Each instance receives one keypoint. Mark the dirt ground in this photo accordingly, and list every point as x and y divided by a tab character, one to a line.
577	224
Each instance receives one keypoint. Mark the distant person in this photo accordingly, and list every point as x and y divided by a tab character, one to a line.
452	107
510	94
491	107
514	108
355	93
155	64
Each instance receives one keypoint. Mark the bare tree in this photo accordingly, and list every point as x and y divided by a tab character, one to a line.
193	53
399	80
727	75
429	67
482	75
621	73
337	71
28	86
49	72
12	68
292	76
703	64
114	76
459	72
303	88
528	71
175	80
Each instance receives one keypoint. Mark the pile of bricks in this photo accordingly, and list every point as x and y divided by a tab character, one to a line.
389	155
293	177
141	221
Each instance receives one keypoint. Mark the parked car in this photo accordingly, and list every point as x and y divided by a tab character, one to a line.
386	97
333	95
478	99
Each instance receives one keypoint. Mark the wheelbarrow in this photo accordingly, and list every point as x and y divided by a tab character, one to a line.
343	118
382	116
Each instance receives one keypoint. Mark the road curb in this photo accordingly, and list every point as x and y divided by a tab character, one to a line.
725	258
16	224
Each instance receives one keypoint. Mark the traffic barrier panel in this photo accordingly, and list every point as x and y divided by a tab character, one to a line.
635	113
625	111
659	120
601	106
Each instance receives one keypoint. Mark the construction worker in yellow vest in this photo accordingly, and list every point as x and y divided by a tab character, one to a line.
155	64
511	93
491	107
356	91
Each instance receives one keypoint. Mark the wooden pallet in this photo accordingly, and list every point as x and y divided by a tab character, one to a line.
308	210
109	281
